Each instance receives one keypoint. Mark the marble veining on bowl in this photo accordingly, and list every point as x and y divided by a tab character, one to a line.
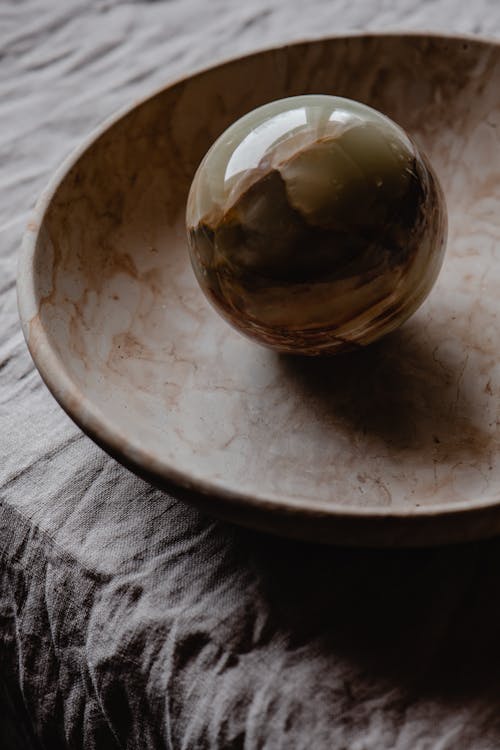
394	444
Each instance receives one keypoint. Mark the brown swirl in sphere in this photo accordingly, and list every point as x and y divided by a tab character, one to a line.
315	225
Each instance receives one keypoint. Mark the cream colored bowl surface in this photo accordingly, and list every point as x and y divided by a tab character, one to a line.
397	444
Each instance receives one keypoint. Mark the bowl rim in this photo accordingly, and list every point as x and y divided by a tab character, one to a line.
94	422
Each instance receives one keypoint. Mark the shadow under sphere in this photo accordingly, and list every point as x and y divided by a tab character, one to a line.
402	392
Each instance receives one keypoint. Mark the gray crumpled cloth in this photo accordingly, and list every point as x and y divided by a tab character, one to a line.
129	620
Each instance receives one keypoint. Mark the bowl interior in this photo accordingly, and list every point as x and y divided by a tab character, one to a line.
130	347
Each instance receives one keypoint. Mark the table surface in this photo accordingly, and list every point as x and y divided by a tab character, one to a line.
128	619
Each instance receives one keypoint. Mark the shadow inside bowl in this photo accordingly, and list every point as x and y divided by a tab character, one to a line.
402	391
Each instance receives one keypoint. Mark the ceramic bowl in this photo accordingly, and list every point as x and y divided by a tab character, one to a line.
397	444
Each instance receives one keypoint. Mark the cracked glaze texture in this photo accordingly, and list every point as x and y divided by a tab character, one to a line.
315	225
404	433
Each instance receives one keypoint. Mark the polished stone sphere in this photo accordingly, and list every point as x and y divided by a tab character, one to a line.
315	225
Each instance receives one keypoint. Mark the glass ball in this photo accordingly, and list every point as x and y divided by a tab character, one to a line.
315	225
